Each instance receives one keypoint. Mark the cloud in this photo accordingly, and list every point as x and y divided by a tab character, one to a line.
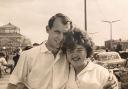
15	1
33	15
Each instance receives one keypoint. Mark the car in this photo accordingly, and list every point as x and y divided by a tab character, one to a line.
124	54
113	62
110	60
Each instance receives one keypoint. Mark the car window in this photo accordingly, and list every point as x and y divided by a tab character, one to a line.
102	57
106	57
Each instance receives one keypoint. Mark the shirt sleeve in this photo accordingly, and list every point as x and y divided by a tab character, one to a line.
113	78
4	61
21	70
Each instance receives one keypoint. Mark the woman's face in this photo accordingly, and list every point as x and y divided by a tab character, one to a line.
76	56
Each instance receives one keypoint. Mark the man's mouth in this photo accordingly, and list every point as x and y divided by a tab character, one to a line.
58	43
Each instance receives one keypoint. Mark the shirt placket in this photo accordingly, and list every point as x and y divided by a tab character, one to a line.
50	85
54	71
78	82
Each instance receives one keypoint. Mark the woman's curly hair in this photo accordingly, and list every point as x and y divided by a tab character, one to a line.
77	36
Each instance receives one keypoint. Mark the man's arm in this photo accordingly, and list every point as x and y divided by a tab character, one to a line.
19	73
112	82
20	85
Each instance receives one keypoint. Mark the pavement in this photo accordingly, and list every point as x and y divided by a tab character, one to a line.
5	77
4	81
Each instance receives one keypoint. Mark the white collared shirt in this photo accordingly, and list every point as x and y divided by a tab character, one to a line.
38	69
93	76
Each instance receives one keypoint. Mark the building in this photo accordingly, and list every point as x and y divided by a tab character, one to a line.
112	45
11	39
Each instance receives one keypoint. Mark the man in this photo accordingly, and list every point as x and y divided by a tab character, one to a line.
41	67
16	57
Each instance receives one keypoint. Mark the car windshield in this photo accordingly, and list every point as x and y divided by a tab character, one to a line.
107	57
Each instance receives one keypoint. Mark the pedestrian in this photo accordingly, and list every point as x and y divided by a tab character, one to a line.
3	64
41	66
85	74
16	57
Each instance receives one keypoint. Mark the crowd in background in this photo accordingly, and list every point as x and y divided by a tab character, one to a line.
9	61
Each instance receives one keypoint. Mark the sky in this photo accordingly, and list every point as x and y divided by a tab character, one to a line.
32	16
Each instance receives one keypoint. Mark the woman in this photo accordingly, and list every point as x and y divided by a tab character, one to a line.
84	74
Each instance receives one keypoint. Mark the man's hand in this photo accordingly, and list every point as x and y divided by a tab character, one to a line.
111	83
21	85
11	86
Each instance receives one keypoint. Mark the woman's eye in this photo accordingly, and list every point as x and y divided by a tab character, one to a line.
79	50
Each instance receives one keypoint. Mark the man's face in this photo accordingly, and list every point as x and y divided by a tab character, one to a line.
56	33
77	56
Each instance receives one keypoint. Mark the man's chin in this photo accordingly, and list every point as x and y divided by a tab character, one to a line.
56	50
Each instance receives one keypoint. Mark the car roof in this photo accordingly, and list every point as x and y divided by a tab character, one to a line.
108	53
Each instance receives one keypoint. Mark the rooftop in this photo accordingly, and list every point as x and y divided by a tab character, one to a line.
9	25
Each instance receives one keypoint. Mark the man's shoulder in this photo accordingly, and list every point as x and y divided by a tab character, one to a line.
33	51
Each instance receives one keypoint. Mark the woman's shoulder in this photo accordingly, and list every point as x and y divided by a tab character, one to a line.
100	68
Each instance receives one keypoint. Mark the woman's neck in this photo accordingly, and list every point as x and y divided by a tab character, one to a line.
78	69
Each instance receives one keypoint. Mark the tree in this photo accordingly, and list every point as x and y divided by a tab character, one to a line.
118	48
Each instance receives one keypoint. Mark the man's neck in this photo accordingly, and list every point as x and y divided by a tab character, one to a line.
54	51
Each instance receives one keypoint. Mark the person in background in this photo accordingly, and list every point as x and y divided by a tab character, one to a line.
44	66
3	64
85	74
16	57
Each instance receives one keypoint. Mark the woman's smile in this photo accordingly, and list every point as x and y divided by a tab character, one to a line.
76	58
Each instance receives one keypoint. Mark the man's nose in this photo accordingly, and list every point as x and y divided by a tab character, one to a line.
60	37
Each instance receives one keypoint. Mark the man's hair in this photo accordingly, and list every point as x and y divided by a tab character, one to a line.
78	37
64	20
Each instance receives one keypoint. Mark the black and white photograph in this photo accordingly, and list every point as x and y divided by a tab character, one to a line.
63	44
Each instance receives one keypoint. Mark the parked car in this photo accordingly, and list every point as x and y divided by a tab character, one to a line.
124	54
113	62
110	60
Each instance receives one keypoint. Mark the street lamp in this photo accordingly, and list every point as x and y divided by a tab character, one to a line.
110	22
85	14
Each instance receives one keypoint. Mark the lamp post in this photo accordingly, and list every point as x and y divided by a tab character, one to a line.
85	15
110	22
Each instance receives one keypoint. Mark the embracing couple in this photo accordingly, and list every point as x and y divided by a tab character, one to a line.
62	62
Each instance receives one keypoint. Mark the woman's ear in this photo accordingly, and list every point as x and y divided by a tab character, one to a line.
47	29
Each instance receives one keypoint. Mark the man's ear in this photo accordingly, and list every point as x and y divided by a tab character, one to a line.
47	29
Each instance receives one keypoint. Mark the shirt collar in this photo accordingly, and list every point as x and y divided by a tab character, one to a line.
43	48
91	66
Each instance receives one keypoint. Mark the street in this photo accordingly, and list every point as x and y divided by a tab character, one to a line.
4	81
